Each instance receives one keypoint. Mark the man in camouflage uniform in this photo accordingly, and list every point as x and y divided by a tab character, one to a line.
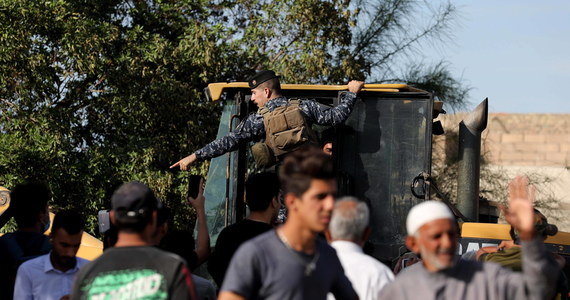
266	92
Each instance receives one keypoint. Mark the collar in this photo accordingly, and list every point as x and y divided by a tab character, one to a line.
49	267
346	246
276	102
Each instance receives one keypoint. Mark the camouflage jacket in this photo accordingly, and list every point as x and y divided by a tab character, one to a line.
252	128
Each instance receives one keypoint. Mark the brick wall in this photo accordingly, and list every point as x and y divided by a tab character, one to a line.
522	139
523	144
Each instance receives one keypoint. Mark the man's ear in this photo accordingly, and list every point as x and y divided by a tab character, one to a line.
290	200
275	202
267	92
366	234
112	217
154	218
412	244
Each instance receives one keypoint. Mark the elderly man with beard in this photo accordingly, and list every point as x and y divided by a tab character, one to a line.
432	233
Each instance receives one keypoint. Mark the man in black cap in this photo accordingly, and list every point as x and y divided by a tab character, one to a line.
266	93
133	269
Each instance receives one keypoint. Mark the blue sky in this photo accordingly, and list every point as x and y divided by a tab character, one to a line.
517	53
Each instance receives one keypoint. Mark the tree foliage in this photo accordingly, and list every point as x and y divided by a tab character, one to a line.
96	93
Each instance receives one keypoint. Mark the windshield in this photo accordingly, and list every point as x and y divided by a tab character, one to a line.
217	183
382	146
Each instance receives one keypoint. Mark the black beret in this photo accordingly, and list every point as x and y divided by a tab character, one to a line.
261	77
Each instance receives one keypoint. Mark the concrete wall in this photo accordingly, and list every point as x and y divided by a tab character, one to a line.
524	144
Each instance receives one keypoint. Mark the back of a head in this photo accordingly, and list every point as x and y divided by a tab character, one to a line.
260	189
349	220
27	201
302	166
265	79
69	220
133	204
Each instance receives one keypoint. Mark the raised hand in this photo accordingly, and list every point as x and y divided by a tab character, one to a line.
520	213
355	86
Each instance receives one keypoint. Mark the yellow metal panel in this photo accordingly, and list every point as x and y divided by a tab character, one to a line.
562	238
216	89
486	230
91	247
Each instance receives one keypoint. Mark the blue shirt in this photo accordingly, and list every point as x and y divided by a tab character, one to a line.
38	279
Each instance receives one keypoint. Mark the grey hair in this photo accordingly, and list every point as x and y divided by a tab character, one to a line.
349	222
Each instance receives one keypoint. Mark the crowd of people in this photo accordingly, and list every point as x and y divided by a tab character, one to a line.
317	253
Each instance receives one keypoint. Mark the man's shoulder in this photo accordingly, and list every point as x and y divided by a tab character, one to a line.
267	237
414	271
81	261
359	260
246	224
34	263
245	229
136	253
259	244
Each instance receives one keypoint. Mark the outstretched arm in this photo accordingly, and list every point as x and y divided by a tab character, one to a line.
540	271
203	238
250	129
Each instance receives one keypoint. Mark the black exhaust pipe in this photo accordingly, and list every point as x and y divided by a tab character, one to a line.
470	160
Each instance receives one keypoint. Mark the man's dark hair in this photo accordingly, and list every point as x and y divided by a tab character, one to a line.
327	136
303	165
69	220
272	84
260	189
27	201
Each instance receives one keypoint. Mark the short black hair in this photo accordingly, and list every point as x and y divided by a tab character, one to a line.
260	189
272	84
27	200
69	220
303	165
327	136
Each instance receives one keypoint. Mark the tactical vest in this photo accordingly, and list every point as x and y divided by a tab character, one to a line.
286	130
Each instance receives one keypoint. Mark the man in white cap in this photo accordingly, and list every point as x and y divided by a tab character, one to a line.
432	233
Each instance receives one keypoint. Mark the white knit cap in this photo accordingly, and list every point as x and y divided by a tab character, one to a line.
426	212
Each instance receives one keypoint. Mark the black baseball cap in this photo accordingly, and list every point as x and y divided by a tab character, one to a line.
261	77
134	201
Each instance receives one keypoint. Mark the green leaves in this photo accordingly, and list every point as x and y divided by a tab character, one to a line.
96	93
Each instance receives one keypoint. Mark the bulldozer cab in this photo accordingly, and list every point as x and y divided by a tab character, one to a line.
379	151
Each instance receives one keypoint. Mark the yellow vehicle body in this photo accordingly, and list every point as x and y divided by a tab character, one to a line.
477	235
214	90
